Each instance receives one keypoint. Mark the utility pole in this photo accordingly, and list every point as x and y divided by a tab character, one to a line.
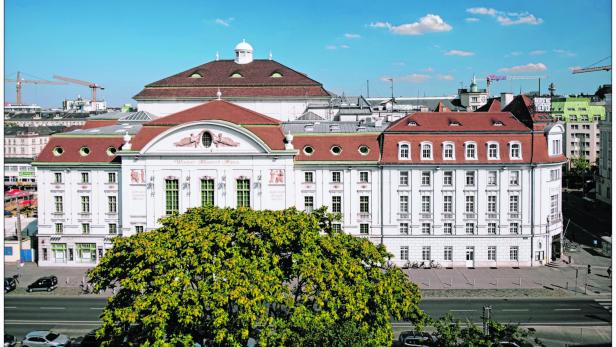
486	319
368	88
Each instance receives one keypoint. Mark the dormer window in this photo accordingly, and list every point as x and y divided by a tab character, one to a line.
276	74
497	123
309	127
195	75
515	150
470	150
454	123
334	127
236	74
84	151
403	151
336	150
412	123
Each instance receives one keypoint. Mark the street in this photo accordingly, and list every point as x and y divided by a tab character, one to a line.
590	221
77	316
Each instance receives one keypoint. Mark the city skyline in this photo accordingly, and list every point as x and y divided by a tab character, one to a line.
428	48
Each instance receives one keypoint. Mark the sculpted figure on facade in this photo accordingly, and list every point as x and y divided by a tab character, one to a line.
137	176
224	141
276	177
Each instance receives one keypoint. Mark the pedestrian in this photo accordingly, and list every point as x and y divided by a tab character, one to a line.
609	271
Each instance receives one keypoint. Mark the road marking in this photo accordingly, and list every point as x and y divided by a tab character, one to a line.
68	323
96	308
462	310
53	308
567	309
10	307
515	310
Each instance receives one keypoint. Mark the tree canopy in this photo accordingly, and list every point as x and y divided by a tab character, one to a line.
227	275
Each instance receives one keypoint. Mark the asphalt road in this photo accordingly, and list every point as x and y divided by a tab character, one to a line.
594	218
76	316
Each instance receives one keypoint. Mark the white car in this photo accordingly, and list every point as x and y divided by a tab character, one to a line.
45	338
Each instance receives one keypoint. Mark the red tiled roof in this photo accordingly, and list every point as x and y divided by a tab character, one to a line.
89	124
348	142
145	135
441	108
468	121
256	80
271	135
216	110
71	146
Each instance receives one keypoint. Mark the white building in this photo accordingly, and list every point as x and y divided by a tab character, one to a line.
604	181
463	189
22	142
473	98
83	105
262	85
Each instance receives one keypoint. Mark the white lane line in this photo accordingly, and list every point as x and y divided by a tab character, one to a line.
10	306
462	310
53	308
515	310
604	300
567	309
96	308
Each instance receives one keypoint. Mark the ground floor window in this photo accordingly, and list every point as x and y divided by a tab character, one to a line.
492	253
59	252
44	253
243	193
363	229
138	229
404	252
425	253
448	254
513	253
86	252
336	227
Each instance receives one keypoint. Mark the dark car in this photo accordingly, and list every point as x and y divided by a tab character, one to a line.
416	338
9	340
89	340
9	284
48	283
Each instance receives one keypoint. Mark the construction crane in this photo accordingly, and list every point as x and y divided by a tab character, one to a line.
91	85
497	78
19	81
593	68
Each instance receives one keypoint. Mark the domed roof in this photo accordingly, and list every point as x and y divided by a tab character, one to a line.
243	46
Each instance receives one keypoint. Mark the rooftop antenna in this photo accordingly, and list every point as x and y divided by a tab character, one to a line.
368	88
217	56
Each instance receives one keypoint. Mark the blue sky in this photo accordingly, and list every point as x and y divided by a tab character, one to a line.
428	47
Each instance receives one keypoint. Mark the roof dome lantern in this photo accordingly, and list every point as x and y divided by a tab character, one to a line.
243	53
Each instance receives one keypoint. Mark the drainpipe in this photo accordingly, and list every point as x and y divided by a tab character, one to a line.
532	200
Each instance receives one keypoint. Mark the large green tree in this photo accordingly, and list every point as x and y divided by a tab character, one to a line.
227	275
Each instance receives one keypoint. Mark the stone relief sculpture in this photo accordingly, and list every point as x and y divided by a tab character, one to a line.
192	140
224	141
137	176
276	177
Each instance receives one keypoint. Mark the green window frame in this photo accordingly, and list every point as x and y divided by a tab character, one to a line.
172	200
59	252
207	192
243	193
86	252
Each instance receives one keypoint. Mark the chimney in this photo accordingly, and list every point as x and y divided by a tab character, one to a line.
505	99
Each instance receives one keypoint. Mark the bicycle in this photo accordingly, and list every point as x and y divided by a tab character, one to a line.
435	265
415	265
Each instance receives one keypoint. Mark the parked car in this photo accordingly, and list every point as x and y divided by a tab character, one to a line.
416	338
9	284
48	283
9	340
89	340
44	338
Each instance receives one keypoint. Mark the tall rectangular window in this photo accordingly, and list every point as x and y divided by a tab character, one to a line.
404	252
404	228
85	204
172	197
59	228
85	229
111	177
336	177
470	204
363	177
447	203
57	177
364	204
448	253
207	192
554	206
85	177
514	252
425	178
112	204
363	229
492	228
309	177
448	228
425	228
492	178
426	151
470	228
514	206
308	203
425	204
113	229
448	151
514	228
425	253
491	203
58	202
404	178
404	203
243	193
514	178
337	204
470	178
492	253
448	178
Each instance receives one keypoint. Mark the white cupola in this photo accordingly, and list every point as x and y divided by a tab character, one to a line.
243	53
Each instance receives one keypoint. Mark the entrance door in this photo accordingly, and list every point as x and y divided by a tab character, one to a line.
470	256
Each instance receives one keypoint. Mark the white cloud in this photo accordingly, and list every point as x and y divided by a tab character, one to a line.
412	78
345	46
459	53
507	18
513	54
331	47
224	22
482	10
537	52
524	68
445	77
428	24
472	19
352	36
564	52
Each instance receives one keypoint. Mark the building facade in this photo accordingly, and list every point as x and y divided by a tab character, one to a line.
604	181
462	189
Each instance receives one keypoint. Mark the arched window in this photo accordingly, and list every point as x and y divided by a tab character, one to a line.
448	151
493	150
515	150
403	151
470	151
426	150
